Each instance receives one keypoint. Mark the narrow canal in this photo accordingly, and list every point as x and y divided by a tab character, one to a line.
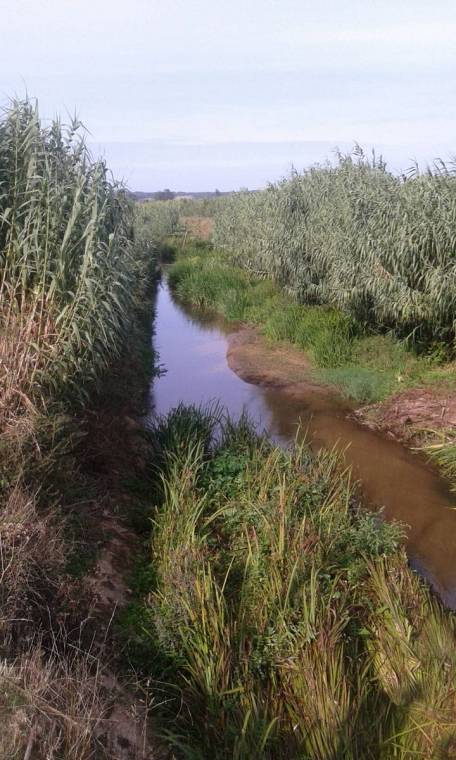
193	348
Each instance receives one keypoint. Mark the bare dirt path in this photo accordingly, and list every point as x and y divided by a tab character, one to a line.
115	453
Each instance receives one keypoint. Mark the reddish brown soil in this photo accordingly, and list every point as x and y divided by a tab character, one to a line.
412	415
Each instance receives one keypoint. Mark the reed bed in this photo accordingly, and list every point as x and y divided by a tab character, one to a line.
67	270
155	221
354	236
71	275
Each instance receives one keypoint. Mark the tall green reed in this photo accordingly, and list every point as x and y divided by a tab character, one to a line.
68	269
357	237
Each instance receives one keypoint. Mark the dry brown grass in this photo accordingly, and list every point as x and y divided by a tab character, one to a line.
50	707
200	227
32	554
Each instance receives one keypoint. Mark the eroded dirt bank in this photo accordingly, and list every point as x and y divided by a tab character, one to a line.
274	365
412	414
406	417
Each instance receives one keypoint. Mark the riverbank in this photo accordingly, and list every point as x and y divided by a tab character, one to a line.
421	418
391	389
271	615
274	615
75	365
70	531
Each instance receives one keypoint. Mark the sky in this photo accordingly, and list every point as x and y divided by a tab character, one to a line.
205	94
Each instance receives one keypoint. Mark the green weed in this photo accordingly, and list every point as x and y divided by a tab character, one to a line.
364	385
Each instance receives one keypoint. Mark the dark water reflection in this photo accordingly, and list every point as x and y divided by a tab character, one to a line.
193	348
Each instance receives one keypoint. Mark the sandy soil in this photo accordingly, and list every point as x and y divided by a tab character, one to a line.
271	365
113	450
127	729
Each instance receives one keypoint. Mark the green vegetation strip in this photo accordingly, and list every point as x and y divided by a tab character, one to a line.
275	617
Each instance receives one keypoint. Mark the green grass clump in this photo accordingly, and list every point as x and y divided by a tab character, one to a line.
326	334
444	454
362	384
176	434
380	365
283	618
282	323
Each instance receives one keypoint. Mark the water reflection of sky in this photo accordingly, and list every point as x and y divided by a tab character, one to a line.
194	354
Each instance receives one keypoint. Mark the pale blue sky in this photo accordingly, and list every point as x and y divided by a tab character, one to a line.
198	94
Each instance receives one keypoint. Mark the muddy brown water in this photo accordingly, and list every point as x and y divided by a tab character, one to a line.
193	348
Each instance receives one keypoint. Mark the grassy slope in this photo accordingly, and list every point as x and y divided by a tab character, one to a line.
278	619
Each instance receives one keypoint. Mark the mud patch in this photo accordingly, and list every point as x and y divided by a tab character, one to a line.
271	365
126	732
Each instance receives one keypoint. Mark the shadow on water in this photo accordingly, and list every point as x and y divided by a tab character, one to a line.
192	346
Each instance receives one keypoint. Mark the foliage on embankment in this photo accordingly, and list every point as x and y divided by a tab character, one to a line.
67	270
155	221
70	279
279	619
364	365
354	236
